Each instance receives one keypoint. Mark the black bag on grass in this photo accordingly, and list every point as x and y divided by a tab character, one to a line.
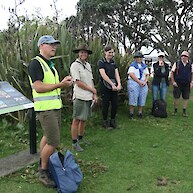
159	109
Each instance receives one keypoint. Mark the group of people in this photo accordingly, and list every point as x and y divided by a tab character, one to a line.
46	90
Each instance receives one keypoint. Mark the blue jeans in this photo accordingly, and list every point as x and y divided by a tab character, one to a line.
161	90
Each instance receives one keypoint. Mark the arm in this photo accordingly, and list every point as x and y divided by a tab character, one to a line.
41	87
172	75
132	75
106	78
85	86
95	98
191	85
118	79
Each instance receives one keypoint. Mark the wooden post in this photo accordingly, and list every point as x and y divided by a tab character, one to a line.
32	131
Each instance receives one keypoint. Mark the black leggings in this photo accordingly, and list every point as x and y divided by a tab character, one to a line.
107	97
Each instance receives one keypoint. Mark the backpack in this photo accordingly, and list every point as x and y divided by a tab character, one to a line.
65	172
159	109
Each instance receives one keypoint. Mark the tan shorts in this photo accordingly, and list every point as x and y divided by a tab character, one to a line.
51	122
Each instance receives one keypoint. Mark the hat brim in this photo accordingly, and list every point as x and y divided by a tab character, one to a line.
77	50
184	55
141	56
53	42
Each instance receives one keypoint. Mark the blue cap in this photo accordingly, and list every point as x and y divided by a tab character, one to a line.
47	40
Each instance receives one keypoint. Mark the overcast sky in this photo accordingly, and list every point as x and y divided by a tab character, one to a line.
30	7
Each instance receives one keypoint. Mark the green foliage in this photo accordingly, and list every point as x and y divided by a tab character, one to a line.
142	156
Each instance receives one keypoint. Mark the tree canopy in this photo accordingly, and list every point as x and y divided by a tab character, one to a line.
163	24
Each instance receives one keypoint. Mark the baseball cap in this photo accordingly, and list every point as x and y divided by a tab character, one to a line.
185	53
47	40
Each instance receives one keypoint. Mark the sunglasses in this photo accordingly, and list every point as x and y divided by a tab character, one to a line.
184	56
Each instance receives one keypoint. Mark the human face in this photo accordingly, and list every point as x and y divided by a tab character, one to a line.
184	58
48	50
83	55
138	59
109	54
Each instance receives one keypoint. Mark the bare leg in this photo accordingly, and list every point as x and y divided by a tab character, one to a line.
176	101
74	128
185	103
42	143
81	128
131	109
140	109
46	152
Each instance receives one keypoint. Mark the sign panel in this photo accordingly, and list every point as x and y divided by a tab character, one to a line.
11	99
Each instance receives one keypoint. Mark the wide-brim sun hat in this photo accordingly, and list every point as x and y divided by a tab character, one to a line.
83	47
185	53
161	54
138	54
47	39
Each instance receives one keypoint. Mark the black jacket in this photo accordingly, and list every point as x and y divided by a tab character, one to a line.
158	75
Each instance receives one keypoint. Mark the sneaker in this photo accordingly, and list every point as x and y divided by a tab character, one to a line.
77	147
174	113
131	116
45	178
140	115
84	142
106	124
112	123
184	115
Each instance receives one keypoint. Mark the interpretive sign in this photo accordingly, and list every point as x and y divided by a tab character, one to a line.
11	99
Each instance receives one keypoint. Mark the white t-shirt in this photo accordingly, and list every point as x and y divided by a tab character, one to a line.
132	69
83	72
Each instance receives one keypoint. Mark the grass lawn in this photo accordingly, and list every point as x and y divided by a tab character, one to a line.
151	155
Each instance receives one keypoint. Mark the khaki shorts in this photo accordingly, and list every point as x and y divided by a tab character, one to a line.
50	122
81	109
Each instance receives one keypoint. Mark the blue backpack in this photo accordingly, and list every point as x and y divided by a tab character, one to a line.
65	172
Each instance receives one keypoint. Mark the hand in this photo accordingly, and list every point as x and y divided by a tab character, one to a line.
114	88
95	98
67	81
119	87
175	84
142	83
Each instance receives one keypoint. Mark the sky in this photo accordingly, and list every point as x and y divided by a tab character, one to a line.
29	7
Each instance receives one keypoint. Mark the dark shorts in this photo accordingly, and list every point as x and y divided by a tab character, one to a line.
50	122
81	109
183	89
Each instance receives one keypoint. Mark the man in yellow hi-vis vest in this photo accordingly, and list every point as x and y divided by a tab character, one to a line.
46	87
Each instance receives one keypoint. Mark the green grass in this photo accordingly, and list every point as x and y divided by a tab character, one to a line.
133	158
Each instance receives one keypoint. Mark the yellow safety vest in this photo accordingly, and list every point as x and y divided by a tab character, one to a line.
48	100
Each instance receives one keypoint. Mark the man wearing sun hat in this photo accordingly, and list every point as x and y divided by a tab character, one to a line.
46	88
182	81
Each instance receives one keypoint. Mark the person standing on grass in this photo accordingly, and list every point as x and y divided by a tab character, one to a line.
84	94
110	85
182	81
138	75
160	78
46	88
